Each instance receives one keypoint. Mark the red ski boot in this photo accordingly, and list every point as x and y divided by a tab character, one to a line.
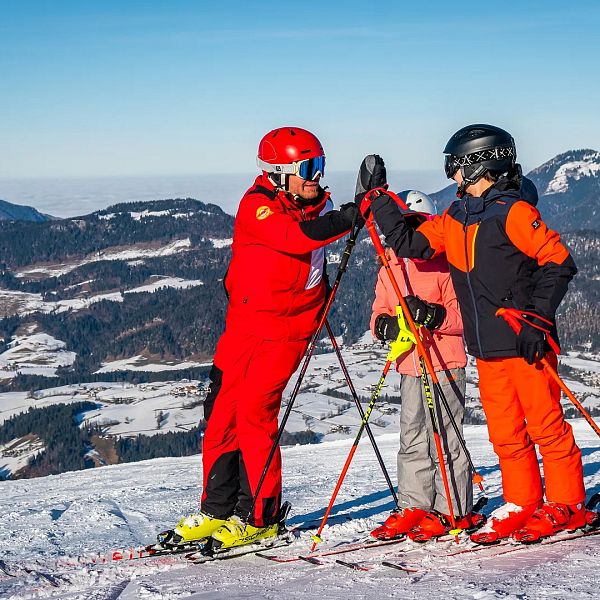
435	524
551	518
398	523
503	522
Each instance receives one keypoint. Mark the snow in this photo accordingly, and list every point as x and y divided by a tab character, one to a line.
577	169
25	303
590	363
125	409
222	243
130	253
115	507
162	282
138	216
15	454
141	363
34	354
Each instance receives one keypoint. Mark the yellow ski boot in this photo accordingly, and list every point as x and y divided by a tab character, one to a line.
190	530
234	532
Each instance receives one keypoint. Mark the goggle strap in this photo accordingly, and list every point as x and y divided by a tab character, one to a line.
289	169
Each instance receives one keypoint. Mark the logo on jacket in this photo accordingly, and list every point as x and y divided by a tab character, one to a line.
535	224
262	212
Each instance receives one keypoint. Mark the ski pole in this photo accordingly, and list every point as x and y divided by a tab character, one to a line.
477	478
514	317
362	414
310	350
423	356
317	537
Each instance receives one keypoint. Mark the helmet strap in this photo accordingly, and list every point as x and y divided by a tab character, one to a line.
279	180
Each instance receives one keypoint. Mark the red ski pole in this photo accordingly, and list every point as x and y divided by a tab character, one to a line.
514	318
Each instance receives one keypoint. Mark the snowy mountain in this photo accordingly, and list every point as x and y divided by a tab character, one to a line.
16	212
55	527
569	190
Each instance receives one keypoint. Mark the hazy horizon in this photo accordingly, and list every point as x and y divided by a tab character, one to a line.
74	196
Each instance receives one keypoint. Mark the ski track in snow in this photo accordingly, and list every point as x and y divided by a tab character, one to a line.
44	521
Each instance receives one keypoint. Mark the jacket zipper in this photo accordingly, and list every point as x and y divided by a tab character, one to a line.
465	228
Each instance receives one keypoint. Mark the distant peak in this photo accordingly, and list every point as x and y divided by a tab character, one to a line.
572	165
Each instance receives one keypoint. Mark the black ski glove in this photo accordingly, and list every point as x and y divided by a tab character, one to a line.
386	327
351	214
531	342
371	174
431	316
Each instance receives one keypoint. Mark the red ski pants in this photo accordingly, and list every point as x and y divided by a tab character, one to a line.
248	378
522	406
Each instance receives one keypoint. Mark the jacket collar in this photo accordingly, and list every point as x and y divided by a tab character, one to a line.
477	204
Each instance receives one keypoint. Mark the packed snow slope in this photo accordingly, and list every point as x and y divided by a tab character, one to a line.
95	511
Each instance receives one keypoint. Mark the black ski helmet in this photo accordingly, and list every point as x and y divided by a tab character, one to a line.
478	150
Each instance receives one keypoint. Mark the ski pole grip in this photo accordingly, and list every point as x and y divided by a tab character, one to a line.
510	318
514	318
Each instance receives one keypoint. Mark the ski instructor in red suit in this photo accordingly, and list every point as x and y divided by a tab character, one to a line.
276	288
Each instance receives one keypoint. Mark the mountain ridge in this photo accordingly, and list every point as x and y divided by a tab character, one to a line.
18	212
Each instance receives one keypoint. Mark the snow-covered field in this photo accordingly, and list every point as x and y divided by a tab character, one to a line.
133	252
24	303
323	405
95	511
34	354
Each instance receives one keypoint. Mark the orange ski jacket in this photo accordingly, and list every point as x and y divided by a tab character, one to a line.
500	253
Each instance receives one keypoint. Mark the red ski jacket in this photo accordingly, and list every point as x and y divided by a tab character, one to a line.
275	279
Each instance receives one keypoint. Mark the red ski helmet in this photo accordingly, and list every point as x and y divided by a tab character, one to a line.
288	151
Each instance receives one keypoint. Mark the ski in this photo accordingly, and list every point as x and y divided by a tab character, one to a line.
198	558
399	566
495	550
352	565
340	549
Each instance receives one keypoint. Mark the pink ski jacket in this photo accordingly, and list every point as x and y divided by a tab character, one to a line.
430	280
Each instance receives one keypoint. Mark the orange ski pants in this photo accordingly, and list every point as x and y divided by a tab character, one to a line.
522	407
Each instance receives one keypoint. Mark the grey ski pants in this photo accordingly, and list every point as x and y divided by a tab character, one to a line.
420	483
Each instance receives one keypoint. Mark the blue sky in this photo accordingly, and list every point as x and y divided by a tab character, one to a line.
103	87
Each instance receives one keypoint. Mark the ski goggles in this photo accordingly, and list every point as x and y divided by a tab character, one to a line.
500	153
308	168
451	165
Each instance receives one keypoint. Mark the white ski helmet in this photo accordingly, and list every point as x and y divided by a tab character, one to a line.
418	202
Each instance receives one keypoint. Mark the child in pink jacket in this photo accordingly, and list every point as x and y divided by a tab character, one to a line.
427	288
